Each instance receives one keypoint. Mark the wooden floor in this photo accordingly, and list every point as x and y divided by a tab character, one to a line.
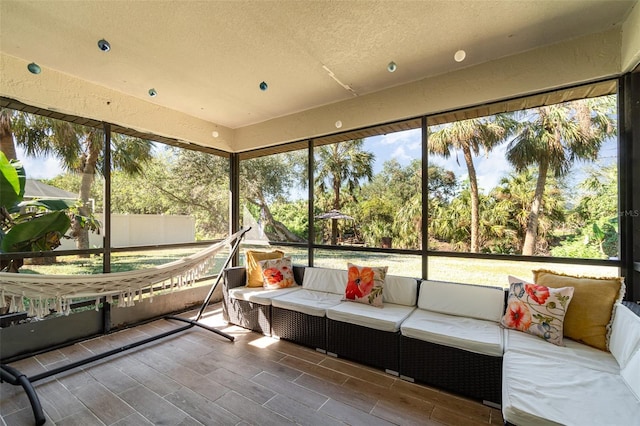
197	377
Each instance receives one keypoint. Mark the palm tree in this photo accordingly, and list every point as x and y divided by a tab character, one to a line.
471	136
556	137
514	196
79	148
342	163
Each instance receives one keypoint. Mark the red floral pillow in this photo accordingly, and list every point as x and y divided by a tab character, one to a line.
365	284
277	273
537	310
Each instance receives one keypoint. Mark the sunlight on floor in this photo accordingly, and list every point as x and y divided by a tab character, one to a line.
263	342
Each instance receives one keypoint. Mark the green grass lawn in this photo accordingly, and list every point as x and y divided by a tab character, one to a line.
472	271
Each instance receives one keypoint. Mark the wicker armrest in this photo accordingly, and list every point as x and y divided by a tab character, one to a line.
235	277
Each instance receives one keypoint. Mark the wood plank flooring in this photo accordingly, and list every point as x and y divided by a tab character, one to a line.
199	378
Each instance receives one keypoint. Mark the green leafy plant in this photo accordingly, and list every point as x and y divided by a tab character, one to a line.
36	225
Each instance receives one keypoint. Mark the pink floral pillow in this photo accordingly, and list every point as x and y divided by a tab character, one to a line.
277	273
365	284
537	310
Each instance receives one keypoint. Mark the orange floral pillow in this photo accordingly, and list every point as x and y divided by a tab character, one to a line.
365	284
277	273
537	310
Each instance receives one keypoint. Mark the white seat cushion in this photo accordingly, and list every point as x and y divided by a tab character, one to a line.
574	352
465	300
308	302
387	318
474	335
259	295
543	391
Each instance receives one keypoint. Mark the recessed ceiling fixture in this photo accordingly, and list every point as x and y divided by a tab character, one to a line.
392	66
264	86
34	68
153	93
215	134
338	124
460	55
104	45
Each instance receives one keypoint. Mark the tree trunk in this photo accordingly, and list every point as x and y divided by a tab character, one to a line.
336	206
529	246
88	175
282	232
475	201
6	136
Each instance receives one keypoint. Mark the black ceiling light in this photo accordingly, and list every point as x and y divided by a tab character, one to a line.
392	66
153	93
264	86
34	68
104	45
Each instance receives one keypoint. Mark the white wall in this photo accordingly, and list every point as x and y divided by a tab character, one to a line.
143	229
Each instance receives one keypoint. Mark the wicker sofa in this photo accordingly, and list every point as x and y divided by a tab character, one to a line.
250	307
448	335
575	384
453	340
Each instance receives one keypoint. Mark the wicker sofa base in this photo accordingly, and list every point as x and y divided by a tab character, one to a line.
365	345
475	375
249	315
307	330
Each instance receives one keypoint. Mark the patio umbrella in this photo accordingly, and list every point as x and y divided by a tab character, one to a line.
334	214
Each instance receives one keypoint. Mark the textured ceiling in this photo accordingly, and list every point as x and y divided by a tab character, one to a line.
207	58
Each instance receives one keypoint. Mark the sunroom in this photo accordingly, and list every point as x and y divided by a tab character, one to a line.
306	128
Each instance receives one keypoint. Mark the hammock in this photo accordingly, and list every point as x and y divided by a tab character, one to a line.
58	292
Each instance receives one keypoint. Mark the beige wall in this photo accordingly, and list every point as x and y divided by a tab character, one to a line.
585	59
579	60
631	40
63	93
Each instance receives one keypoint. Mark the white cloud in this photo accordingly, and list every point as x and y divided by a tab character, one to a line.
39	167
401	155
405	137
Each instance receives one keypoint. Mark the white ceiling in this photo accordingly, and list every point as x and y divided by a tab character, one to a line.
207	58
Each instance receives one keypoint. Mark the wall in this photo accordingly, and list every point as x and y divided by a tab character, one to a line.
583	59
143	229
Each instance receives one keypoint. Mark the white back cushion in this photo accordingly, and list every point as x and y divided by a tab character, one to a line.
400	290
625	334
464	300
631	373
325	279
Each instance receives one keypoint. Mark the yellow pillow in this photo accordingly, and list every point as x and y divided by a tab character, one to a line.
589	316
254	271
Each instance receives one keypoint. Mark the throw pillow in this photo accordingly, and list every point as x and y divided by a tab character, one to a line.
590	316
537	310
254	271
365	284
277	273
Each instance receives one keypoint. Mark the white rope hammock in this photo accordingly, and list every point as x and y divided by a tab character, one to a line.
58	292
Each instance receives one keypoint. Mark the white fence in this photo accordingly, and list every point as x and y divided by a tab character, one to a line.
141	230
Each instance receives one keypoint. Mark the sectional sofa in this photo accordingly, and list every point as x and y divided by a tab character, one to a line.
449	336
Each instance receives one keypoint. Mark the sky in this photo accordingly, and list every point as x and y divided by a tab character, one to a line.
403	146
406	145
39	168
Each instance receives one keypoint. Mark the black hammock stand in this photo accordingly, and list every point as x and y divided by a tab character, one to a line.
15	377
